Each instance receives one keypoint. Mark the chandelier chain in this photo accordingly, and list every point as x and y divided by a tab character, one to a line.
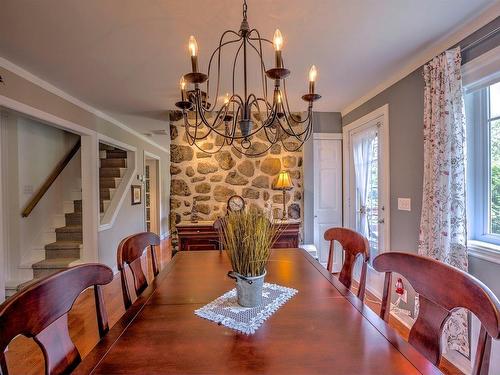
245	9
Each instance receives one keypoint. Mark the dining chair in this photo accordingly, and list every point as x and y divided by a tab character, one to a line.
129	253
218	228
354	244
40	311
442	289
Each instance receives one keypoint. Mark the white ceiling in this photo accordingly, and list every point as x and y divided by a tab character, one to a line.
125	57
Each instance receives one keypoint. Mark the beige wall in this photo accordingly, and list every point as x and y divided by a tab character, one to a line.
31	151
130	218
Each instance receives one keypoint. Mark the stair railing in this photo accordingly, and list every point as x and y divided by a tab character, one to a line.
50	180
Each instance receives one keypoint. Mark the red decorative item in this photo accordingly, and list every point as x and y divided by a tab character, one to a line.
400	289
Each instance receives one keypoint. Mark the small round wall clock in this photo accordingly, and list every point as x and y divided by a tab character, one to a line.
235	203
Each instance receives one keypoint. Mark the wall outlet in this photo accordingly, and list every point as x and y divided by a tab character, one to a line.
404	204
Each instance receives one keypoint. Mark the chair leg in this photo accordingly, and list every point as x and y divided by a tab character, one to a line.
385	309
154	260
3	365
102	316
329	264
482	361
127	302
362	282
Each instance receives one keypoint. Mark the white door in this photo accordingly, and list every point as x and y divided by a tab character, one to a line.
366	179
327	193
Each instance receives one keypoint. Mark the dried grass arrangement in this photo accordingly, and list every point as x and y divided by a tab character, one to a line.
248	237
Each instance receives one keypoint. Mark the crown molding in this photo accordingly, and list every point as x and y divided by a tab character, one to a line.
455	36
10	66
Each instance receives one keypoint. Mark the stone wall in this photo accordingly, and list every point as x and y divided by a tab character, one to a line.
208	180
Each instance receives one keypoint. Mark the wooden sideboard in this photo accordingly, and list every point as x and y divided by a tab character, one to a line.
202	235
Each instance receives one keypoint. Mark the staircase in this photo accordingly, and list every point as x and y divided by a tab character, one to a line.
66	249
113	164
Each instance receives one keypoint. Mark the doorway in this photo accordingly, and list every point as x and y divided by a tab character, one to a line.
152	193
366	179
327	192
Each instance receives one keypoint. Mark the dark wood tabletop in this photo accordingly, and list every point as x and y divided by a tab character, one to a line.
323	329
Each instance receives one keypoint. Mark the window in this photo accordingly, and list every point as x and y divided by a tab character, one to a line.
483	181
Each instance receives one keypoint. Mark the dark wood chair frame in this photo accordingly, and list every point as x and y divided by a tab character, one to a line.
354	244
129	253
442	289
218	228
41	312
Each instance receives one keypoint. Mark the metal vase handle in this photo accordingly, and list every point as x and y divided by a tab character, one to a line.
236	276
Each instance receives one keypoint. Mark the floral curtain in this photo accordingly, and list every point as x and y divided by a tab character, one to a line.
443	227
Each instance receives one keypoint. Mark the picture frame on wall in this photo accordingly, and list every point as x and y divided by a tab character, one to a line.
136	194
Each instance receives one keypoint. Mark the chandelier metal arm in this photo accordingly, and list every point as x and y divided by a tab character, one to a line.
218	120
218	51
263	68
298	120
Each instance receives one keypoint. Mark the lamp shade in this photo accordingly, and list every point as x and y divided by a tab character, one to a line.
284	181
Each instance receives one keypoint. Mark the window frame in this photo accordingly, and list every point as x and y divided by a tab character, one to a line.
479	166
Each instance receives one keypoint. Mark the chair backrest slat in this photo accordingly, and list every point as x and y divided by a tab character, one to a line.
442	289
40	312
353	244
129	253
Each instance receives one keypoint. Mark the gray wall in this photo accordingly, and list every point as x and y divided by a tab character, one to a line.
327	122
406	103
405	99
130	218
324	122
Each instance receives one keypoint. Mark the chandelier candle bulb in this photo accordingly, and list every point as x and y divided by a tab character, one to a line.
183	88
193	50
312	78
278	45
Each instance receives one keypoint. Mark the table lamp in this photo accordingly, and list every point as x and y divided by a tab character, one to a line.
283	183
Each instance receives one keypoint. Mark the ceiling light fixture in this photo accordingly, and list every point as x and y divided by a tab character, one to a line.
233	122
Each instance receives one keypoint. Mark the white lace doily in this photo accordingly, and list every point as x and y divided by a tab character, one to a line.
226	311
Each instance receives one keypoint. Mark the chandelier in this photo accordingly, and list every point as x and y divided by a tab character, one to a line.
240	119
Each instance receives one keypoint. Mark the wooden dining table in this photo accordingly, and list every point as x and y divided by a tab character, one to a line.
323	329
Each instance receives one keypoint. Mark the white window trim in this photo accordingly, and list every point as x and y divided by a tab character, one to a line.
484	250
478	73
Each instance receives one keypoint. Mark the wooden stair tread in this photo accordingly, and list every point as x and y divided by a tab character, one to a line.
55	263
63	245
70	229
27	283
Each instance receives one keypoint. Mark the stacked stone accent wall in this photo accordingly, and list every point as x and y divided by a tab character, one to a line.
208	180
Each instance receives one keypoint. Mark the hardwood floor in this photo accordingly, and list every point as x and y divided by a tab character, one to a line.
24	357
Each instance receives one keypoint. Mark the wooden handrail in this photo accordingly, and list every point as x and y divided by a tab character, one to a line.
50	180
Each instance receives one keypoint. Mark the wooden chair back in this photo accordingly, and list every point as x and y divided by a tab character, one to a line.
354	245
442	289
41	312
129	253
218	228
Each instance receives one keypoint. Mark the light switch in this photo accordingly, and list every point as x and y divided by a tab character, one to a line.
404	204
